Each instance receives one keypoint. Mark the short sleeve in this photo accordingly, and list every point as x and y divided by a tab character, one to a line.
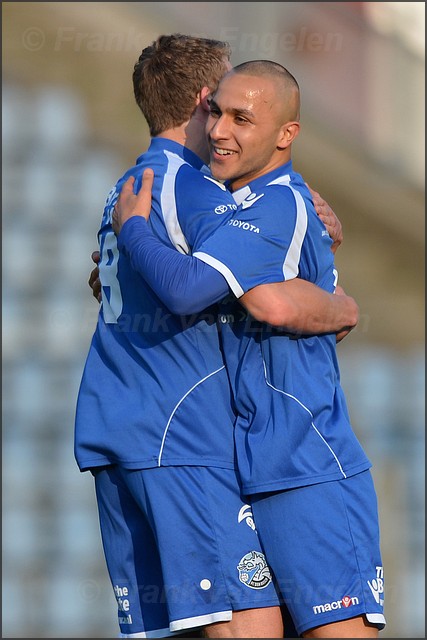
262	242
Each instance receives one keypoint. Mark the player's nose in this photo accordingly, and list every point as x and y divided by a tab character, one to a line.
220	129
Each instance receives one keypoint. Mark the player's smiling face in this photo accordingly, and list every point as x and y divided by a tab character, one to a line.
245	128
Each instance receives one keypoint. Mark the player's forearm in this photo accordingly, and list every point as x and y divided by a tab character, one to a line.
301	307
322	312
184	284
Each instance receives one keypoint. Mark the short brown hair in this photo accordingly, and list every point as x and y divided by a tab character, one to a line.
170	73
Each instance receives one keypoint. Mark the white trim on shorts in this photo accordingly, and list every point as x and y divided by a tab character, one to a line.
376	618
147	634
200	621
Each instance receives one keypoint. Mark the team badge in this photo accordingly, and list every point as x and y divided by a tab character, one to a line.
254	571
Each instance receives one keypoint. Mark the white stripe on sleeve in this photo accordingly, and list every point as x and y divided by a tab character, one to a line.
168	204
225	271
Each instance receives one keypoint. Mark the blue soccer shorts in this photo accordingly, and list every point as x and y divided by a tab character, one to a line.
322	543
181	548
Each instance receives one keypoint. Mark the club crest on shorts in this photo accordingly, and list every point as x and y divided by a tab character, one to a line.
254	571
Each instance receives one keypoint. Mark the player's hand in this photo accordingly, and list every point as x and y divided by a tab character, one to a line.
129	204
340	335
328	217
94	282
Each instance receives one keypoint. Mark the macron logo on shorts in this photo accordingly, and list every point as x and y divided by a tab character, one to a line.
331	606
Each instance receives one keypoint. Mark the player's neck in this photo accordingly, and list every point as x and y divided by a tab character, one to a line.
189	135
279	159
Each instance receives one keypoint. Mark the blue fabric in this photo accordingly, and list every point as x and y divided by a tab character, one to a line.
322	542
291	407
211	559
154	390
183	291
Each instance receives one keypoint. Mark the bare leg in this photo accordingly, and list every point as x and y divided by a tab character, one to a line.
249	623
354	628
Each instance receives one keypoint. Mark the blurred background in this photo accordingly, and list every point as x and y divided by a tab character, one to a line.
70	129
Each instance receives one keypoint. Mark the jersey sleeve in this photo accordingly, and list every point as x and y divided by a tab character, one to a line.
203	205
183	283
262	242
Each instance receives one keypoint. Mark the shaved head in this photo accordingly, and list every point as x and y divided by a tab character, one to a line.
285	84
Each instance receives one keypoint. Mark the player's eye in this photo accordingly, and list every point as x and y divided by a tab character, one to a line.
214	111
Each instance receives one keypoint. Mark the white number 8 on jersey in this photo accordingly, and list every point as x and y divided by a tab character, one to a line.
112	302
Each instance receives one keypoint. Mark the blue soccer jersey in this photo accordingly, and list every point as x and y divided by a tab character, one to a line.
154	389
293	427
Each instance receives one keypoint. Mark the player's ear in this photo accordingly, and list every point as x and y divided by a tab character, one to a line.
205	94
287	134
